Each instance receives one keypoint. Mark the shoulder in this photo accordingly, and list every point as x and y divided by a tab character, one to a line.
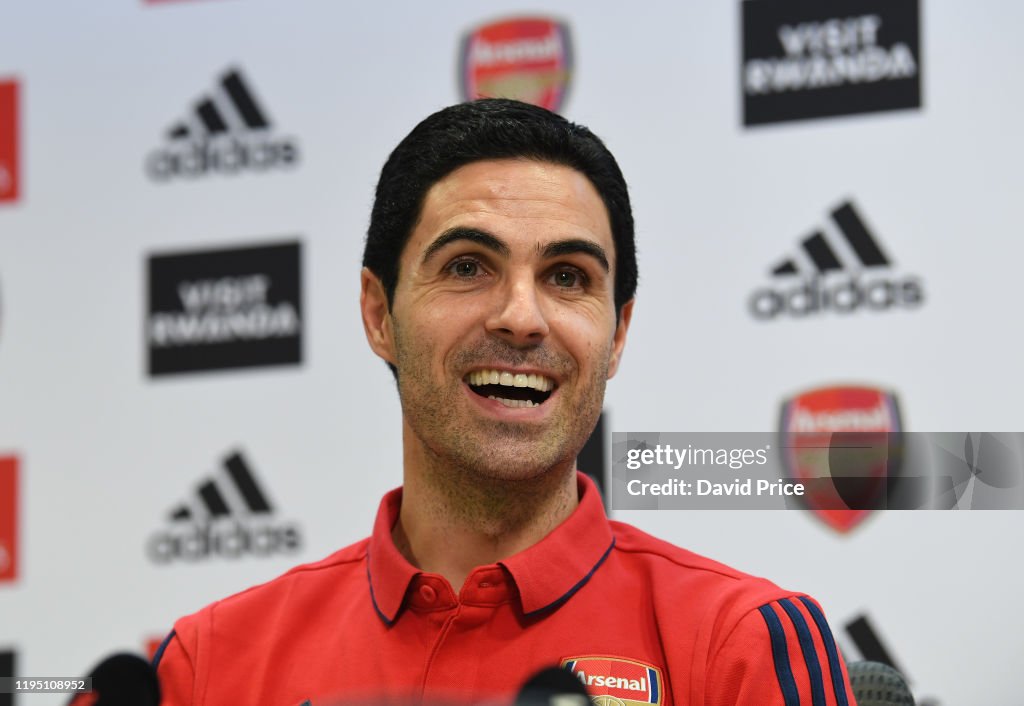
312	583
680	568
753	642
219	643
692	593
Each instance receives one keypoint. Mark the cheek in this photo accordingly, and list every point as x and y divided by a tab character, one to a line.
588	338
427	339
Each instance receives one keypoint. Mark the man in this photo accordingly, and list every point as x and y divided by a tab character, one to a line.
498	286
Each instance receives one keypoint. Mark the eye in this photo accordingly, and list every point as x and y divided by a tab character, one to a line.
568	278
465	269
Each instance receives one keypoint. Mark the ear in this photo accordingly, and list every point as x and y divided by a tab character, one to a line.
373	302
619	340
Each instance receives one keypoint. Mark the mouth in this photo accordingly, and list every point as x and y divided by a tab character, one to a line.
516	390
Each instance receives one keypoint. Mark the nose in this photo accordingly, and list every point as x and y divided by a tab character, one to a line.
518	316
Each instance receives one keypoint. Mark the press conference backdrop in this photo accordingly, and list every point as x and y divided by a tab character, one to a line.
827	206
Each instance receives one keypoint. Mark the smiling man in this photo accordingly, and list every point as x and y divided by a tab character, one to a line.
498	282
504	329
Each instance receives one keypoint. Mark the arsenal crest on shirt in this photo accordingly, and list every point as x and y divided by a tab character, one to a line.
616	681
527	59
845	445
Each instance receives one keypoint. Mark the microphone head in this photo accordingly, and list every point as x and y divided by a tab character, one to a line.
121	680
877	684
553	686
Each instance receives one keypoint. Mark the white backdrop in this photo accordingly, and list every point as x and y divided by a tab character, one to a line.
106	451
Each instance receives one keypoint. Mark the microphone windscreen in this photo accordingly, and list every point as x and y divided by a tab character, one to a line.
877	684
553	686
121	680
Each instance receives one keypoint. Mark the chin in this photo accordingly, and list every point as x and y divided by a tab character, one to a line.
514	465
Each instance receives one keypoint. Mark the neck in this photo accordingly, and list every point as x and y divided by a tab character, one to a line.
455	519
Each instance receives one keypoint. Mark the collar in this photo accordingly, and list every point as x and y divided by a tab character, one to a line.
546	574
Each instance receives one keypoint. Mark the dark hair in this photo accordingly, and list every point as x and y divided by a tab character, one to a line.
491	128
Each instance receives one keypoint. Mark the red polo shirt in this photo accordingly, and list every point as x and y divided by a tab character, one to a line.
634	617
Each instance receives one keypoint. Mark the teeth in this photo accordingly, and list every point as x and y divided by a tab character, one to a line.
497	377
513	403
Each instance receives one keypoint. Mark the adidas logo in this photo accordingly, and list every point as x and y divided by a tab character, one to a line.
228	132
836	275
230	516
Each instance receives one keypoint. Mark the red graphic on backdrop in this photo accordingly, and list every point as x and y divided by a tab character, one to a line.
846	437
527	58
9	168
8	518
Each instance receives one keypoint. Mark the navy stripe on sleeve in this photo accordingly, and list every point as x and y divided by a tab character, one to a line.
830	649
803	633
781	656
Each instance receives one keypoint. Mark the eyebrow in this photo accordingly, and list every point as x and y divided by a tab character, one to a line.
473	235
495	244
576	245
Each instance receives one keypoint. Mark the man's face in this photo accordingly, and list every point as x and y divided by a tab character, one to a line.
503	325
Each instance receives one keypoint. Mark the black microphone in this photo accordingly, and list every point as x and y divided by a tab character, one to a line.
121	680
553	686
877	684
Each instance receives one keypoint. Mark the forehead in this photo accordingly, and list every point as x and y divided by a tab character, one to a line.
517	200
